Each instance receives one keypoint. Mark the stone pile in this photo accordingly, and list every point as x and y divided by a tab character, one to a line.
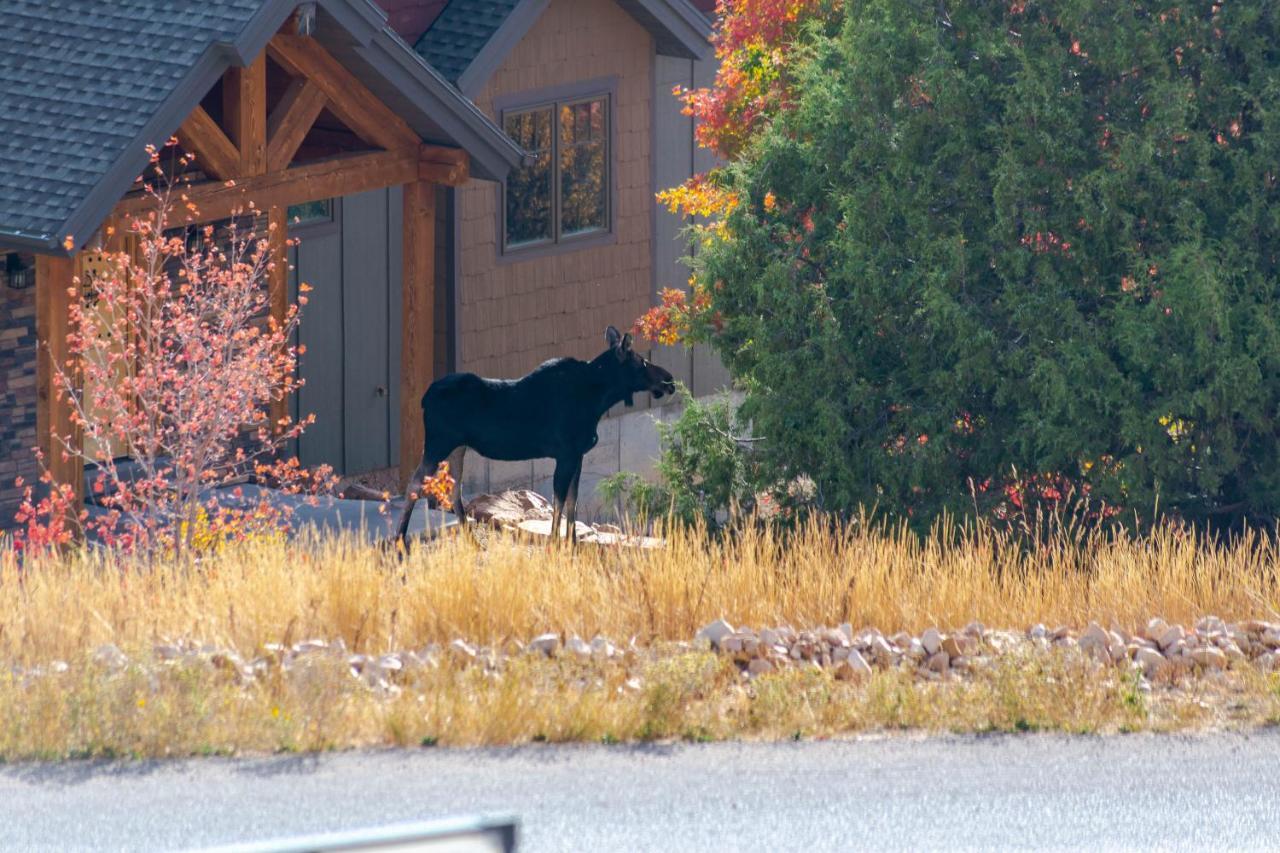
1210	645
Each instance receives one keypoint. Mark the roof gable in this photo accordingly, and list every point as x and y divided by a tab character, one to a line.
469	39
86	84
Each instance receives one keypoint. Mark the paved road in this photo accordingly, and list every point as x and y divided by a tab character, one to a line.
973	792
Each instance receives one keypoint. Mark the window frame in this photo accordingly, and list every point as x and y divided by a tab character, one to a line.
605	88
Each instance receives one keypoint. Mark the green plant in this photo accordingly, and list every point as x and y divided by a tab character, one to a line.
996	250
706	471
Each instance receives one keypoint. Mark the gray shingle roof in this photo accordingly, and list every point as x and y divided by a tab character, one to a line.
79	81
460	32
470	38
84	84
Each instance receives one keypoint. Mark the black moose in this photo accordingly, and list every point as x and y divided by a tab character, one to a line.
551	413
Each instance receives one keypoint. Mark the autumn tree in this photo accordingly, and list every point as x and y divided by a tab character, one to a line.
994	250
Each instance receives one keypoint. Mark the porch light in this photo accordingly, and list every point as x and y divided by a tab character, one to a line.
19	275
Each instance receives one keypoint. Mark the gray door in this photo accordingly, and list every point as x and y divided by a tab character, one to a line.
350	367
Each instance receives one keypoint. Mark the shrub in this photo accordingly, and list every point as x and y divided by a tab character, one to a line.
705	471
1003	237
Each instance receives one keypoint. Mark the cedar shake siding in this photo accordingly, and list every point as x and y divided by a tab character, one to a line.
515	312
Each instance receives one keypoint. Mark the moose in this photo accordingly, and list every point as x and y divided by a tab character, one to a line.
551	413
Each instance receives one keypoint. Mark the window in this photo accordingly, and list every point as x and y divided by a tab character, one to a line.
310	213
564	194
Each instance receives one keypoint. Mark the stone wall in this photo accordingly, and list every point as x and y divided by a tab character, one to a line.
17	394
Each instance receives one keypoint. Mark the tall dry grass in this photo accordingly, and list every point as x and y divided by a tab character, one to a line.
505	588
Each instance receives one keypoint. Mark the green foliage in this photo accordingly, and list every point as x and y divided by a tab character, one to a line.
999	237
705	471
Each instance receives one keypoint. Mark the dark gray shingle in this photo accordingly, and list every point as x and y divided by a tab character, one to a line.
460	32
78	81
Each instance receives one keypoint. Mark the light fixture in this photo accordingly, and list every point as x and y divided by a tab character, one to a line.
19	275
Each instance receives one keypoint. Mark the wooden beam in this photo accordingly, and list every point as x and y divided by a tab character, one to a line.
244	112
323	179
448	166
417	320
289	122
278	288
349	99
215	154
55	288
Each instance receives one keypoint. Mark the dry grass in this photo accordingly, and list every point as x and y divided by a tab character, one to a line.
503	589
272	592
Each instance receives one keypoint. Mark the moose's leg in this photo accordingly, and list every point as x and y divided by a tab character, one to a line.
571	505
455	468
560	482
411	498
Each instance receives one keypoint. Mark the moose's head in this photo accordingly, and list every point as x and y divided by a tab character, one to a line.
635	373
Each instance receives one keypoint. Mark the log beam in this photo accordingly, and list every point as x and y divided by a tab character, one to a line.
244	112
417	319
215	154
322	179
289	122
448	166
349	99
55	288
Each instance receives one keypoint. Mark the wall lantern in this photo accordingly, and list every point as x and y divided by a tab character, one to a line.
19	275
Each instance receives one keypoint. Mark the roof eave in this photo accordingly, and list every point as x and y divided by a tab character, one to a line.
492	152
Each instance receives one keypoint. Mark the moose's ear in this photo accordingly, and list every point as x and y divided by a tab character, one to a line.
626	342
612	337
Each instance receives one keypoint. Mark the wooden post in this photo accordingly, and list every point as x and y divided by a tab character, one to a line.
55	286
417	339
244	108
278	288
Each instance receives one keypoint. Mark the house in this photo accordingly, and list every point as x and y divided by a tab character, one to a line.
471	183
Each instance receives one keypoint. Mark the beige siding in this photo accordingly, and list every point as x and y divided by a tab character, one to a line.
513	316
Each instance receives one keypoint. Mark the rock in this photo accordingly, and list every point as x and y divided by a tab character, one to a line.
164	651
1210	657
770	637
110	656
939	662
577	646
1170	636
390	663
882	652
975	629
1060	633
760	666
715	632
1211	625
1155	629
1269	662
1150	660
853	667
847	630
1038	632
932	641
1094	637
951	645
548	644
509	508
1271	638
462	648
915	650
601	647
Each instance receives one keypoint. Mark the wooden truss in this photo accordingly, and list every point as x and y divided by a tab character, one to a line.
249	159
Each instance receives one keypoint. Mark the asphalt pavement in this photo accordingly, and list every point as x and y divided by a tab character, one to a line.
985	792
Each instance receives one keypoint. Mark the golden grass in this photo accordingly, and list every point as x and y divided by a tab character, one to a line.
500	589
504	588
